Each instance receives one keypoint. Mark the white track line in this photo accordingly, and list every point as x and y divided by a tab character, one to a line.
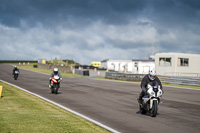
67	109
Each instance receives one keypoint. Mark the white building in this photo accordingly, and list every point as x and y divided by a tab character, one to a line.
133	66
177	64
143	66
115	65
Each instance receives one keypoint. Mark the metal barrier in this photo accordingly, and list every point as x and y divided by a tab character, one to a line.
164	79
180	80
82	72
124	76
182	74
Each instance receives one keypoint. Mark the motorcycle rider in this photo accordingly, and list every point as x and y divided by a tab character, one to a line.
150	77
15	69
55	72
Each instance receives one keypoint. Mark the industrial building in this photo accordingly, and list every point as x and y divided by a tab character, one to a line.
131	66
143	66
177	64
115	65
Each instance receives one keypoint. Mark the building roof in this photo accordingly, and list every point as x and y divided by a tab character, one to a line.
143	60
116	60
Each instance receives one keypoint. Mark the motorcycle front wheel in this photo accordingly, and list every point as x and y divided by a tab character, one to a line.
154	108
15	77
56	88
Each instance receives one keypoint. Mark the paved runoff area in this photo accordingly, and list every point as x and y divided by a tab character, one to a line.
114	104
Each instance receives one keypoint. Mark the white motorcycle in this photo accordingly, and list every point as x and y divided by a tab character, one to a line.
151	100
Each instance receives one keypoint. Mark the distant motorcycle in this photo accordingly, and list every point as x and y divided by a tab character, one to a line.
16	74
151	100
55	84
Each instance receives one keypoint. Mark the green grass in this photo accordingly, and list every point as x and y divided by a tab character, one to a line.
21	112
30	67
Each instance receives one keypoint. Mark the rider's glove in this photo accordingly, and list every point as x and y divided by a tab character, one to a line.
60	79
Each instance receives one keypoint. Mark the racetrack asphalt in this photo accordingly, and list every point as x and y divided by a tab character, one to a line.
114	103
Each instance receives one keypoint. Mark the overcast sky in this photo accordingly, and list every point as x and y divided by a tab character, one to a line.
93	30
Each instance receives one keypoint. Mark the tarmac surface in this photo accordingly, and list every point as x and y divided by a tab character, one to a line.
114	103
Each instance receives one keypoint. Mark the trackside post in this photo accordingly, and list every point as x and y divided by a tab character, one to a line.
1	88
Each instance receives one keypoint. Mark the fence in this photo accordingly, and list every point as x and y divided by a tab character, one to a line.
82	72
164	79
182	74
124	76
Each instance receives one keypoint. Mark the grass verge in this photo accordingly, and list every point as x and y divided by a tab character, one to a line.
21	112
30	67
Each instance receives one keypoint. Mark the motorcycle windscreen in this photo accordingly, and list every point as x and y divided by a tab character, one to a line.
16	72
56	77
154	84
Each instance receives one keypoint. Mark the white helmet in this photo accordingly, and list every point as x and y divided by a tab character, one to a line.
55	70
152	74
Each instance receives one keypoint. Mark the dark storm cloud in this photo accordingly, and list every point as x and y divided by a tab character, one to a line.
167	13
111	11
172	14
55	11
102	28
